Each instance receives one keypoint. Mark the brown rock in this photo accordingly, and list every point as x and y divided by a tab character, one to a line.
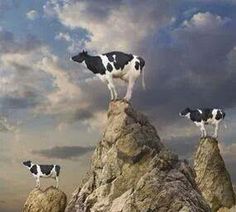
49	200
211	175
133	171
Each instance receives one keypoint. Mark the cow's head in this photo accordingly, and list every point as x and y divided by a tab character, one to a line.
185	112
27	163
80	57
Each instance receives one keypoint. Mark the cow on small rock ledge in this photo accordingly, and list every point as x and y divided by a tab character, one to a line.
202	117
44	171
112	65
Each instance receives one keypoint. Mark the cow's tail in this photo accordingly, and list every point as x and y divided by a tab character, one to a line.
143	81
223	118
142	64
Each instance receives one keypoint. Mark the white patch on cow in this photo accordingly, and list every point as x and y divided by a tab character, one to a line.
200	111
114	57
187	115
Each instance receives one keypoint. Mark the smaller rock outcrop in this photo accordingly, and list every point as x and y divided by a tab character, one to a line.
51	199
212	177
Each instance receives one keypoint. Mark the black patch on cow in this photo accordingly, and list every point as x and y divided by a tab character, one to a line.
34	170
57	170
46	169
109	67
137	65
142	62
219	115
195	116
94	64
110	58
27	163
206	114
121	59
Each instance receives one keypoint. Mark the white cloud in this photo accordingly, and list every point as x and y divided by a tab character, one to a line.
120	29
32	15
65	94
204	22
74	44
63	36
17	76
39	74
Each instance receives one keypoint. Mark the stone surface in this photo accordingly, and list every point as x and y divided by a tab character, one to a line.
51	199
212	177
133	171
233	209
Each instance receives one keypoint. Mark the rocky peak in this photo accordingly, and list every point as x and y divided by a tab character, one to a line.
211	175
133	171
50	199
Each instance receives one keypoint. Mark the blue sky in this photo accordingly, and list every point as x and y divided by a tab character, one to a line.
46	101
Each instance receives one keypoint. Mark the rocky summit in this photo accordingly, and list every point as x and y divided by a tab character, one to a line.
132	171
212	177
51	199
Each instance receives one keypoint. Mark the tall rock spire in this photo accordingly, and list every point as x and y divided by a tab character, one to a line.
133	171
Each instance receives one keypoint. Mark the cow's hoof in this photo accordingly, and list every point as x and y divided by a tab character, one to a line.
125	100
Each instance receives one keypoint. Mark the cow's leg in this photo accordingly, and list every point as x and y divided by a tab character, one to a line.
37	182
130	88
110	89
216	129
114	90
105	78
57	180
203	130
112	86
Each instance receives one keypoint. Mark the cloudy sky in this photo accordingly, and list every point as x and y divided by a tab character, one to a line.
53	110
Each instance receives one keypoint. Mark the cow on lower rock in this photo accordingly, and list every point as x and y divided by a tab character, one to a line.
202	117
112	65
43	171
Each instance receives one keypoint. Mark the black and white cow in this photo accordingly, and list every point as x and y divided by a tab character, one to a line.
44	171
202	117
112	65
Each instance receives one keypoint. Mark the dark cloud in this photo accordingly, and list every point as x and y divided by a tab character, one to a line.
28	100
194	68
82	115
64	152
183	146
231	164
188	62
7	5
10	44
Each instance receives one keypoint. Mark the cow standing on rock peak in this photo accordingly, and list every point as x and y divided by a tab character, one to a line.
112	65
202	117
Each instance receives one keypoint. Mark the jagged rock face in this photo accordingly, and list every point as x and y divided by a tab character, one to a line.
211	175
132	171
51	199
